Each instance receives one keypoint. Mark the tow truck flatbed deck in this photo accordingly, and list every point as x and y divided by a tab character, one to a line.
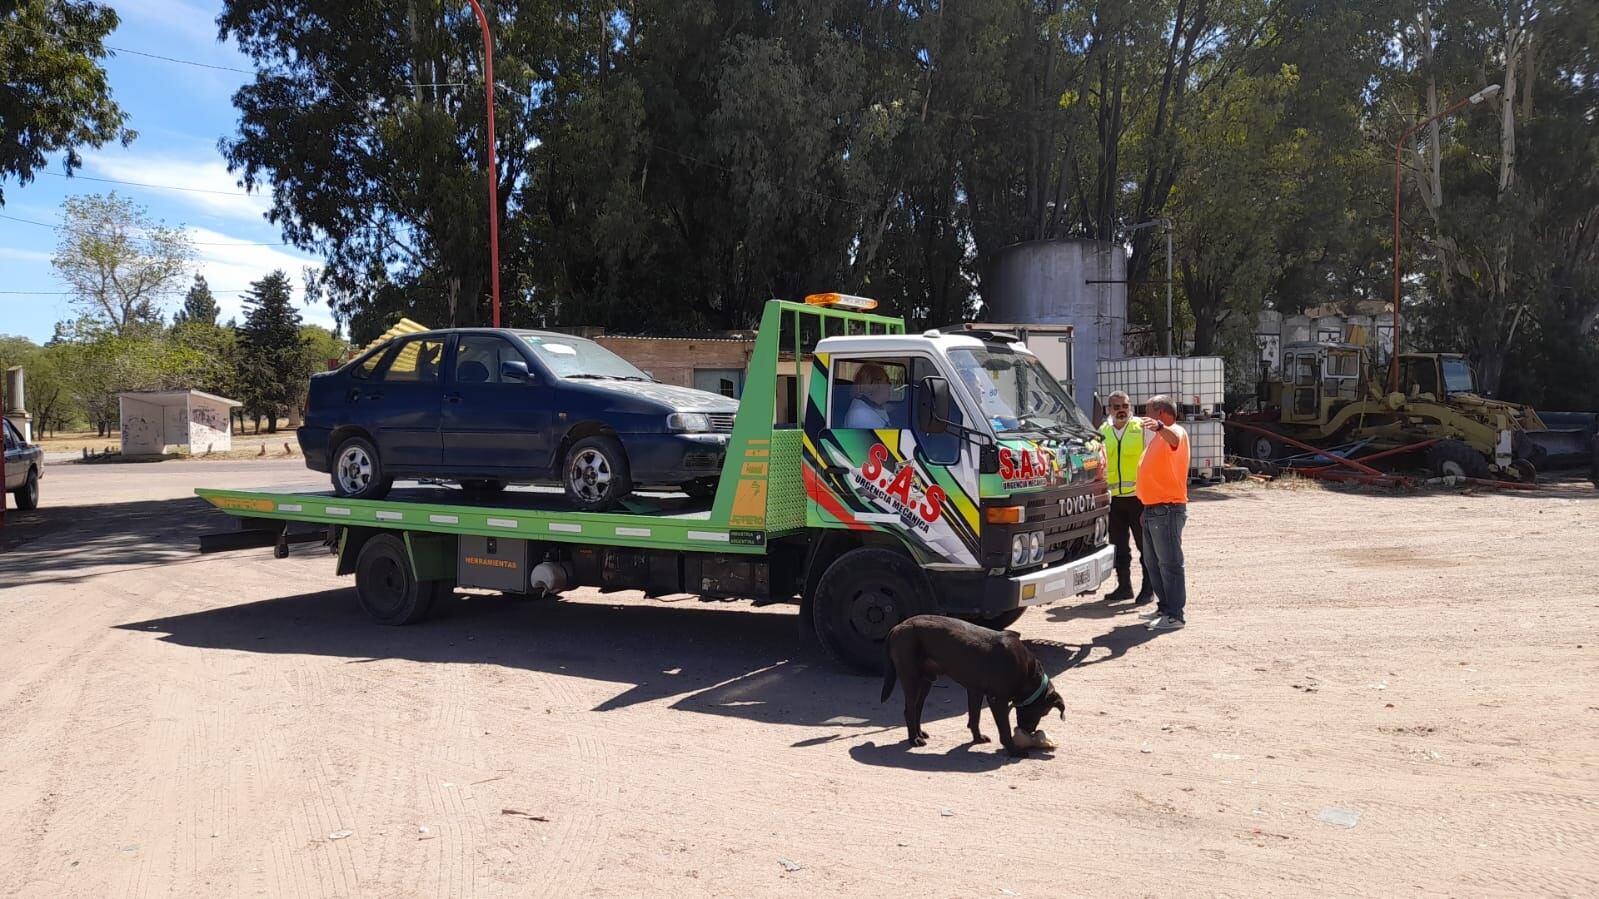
664	521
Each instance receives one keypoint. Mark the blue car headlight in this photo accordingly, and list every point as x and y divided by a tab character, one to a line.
688	422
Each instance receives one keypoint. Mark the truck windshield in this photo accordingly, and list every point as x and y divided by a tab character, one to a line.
1018	395
576	357
1457	376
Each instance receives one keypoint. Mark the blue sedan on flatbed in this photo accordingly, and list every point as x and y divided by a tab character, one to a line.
489	407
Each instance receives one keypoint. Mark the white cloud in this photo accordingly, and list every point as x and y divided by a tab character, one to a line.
193	25
230	265
24	255
208	186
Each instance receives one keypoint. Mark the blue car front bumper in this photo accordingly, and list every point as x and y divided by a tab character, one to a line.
674	458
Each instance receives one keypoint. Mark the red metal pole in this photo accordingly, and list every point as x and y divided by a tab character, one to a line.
494	169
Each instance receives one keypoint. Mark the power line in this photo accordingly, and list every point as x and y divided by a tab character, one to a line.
195	243
192	62
66	293
27	221
181	62
192	190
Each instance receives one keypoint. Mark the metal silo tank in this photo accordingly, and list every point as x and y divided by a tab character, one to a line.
1082	283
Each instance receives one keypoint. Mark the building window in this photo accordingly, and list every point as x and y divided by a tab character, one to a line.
729	382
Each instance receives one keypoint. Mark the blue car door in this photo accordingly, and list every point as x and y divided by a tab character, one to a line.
400	404
493	423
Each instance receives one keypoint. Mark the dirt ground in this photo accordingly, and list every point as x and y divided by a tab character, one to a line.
1375	695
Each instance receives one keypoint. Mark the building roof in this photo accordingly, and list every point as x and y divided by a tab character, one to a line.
175	397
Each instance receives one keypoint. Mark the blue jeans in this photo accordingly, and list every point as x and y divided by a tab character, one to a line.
1163	556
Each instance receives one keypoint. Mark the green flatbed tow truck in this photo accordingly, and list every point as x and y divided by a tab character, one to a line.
968	484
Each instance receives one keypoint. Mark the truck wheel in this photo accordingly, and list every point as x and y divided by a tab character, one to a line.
596	474
358	472
861	596
1452	458
386	586
28	494
1264	448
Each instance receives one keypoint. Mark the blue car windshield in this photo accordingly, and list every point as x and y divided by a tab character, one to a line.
576	357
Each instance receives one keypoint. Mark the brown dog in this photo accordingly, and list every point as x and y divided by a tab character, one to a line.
993	666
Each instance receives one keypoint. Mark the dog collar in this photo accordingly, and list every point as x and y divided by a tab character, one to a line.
1042	686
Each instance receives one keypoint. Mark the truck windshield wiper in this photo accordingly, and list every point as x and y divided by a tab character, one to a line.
589	377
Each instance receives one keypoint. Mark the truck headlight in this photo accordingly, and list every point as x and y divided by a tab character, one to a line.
688	422
1035	546
1020	551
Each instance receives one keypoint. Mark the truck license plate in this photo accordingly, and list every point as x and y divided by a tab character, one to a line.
1080	577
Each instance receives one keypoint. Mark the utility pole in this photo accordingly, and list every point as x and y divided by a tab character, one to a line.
494	169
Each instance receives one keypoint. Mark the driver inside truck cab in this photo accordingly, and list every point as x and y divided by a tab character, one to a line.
871	407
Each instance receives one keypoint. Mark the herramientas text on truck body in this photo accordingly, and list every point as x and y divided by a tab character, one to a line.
871	475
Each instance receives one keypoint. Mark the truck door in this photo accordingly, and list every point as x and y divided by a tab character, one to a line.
873	468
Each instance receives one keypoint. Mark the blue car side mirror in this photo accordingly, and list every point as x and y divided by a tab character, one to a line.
514	370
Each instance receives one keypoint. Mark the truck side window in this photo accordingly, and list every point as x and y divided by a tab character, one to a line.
12	442
940	449
870	393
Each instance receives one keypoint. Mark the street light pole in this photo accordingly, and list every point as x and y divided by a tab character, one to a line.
494	169
1167	223
1399	154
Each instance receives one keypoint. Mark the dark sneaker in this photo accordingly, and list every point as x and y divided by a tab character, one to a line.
1165	623
1119	594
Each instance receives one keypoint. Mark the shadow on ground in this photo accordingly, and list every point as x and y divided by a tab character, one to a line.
140	532
711	658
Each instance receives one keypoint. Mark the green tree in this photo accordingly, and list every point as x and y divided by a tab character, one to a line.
199	305
121	264
54	95
273	361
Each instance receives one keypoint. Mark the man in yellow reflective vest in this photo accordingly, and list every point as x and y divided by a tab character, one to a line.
1124	449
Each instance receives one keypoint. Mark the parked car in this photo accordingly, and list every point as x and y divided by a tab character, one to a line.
24	468
488	407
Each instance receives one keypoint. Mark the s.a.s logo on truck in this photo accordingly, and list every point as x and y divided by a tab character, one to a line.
1022	468
897	489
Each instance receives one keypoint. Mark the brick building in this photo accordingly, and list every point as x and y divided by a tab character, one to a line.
710	363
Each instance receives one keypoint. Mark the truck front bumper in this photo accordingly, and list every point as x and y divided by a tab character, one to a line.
1064	580
984	595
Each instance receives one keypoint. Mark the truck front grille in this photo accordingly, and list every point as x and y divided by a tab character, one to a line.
722	422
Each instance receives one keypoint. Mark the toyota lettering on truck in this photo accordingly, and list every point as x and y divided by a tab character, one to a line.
869	475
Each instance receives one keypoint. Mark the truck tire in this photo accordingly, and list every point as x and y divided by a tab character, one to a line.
595	474
358	470
1452	458
28	494
387	587
861	596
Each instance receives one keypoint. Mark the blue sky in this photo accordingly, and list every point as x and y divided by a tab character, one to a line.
179	111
